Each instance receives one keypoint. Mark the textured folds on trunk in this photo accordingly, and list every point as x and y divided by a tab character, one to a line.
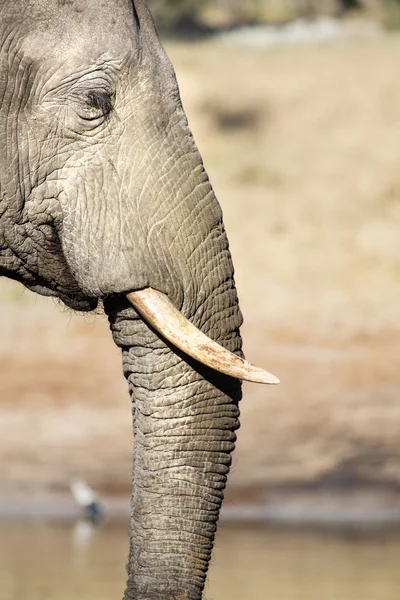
184	419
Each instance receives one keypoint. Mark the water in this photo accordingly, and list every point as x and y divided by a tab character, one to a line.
64	561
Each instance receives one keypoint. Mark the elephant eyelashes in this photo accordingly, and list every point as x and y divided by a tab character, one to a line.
99	104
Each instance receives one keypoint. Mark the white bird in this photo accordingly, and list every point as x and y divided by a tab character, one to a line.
87	499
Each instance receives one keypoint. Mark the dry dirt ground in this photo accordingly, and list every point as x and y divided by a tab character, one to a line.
302	145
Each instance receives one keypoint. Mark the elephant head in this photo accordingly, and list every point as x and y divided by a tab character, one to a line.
104	198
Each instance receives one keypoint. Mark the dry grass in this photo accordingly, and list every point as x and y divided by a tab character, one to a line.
302	147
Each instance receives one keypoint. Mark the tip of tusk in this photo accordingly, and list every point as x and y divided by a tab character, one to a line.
157	309
265	378
254	374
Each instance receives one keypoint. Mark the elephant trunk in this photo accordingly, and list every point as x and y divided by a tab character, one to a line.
185	416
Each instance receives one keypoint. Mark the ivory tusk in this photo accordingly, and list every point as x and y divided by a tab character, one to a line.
157	309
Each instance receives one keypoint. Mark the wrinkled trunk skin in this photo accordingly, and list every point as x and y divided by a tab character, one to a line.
185	416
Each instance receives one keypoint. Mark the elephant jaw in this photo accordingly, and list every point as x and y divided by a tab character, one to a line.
159	312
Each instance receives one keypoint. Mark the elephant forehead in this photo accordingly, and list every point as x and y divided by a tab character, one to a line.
42	12
69	30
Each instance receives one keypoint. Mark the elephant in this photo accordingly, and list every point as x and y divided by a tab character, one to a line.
105	201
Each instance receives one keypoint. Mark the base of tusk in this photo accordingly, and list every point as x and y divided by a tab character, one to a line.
157	309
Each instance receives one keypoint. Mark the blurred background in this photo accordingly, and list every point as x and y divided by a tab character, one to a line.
295	105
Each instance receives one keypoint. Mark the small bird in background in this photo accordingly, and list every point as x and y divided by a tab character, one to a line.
93	507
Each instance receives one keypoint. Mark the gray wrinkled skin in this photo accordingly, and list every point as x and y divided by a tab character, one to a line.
103	191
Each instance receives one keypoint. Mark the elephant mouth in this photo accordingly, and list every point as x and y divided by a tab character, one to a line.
159	312
75	301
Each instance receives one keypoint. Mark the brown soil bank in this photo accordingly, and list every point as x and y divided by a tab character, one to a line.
303	149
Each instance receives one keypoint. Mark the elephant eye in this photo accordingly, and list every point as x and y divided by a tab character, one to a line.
98	104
